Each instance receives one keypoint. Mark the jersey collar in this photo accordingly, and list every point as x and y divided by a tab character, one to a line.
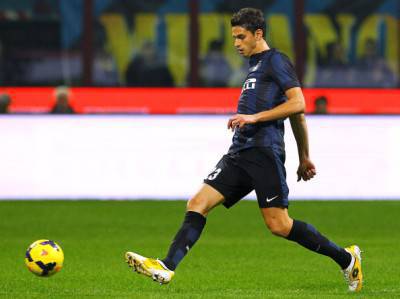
256	57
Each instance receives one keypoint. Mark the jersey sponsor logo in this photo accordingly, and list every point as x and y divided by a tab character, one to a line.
213	174
271	199
249	84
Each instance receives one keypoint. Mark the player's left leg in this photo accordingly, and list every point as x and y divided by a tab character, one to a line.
267	170
349	259
280	224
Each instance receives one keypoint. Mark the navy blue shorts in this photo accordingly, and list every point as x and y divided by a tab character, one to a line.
260	169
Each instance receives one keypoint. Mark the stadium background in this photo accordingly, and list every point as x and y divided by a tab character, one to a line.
130	138
88	46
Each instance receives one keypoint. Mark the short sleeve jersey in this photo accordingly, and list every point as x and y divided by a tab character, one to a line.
270	74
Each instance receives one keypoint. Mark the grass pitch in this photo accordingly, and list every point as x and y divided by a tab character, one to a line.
235	258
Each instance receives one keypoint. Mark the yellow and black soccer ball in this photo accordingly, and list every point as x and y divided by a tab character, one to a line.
44	257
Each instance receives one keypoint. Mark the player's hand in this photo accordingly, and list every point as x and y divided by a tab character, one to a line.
306	170
239	120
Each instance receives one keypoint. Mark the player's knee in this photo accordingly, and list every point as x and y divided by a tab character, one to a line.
278	228
197	204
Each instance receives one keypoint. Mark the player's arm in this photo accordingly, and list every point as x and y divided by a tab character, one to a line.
294	105
306	169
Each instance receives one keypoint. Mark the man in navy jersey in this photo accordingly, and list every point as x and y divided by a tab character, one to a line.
255	160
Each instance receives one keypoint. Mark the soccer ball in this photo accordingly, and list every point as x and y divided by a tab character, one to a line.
44	257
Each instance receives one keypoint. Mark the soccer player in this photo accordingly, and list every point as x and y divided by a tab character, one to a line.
255	160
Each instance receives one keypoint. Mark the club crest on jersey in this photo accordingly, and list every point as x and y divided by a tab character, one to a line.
249	84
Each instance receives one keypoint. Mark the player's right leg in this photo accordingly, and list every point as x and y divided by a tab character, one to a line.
197	209
226	184
195	219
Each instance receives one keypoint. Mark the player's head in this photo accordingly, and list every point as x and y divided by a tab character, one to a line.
248	28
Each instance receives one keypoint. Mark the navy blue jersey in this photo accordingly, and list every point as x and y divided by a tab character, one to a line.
270	75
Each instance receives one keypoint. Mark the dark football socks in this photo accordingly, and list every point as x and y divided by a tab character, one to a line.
306	235
184	240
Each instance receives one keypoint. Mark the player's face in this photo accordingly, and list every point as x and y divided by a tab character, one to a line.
245	41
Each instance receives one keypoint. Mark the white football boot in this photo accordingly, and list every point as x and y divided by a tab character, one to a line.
353	273
149	267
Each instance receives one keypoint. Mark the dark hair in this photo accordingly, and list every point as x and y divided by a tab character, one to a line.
5	101
321	100
249	18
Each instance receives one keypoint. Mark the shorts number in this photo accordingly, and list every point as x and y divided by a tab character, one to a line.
214	174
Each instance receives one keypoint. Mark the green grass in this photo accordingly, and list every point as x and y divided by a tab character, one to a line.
235	258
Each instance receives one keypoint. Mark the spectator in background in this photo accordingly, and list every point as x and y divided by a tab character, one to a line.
105	71
147	69
5	101
215	70
336	57
371	68
2	64
334	71
62	105
321	105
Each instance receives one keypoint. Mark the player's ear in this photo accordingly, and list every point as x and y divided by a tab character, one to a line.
258	34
